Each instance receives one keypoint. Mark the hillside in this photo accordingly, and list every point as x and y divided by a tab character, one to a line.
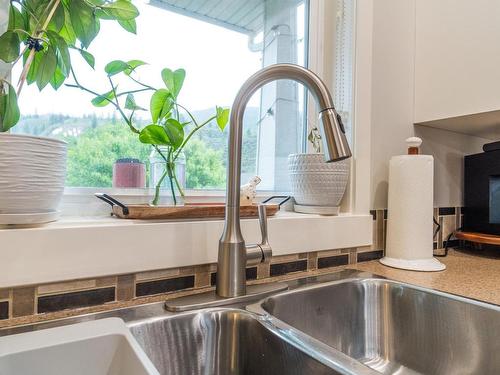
94	143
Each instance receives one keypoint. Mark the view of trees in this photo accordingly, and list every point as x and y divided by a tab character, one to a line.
205	166
95	143
92	154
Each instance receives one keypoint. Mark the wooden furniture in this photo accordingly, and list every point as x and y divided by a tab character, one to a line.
489	239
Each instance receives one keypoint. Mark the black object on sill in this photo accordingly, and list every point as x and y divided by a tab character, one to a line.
285	198
112	201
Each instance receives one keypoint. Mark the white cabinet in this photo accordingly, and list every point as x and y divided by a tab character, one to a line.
457	58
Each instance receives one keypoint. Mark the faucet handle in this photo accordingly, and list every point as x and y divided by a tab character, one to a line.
262	252
267	252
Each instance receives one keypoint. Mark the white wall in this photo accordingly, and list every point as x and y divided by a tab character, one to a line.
393	103
448	149
457	59
392	88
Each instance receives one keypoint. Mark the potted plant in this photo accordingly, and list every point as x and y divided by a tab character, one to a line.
317	187
40	35
171	127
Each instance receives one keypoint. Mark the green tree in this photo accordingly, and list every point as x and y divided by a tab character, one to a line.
91	155
204	166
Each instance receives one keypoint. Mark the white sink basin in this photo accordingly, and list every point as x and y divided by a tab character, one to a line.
101	347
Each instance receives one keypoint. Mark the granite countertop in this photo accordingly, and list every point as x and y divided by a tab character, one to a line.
472	274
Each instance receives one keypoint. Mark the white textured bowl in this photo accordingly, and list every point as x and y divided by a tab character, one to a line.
32	173
315	182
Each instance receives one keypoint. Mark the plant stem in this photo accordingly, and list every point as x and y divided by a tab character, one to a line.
156	198
118	107
133	92
179	187
115	103
170	164
54	4
189	114
179	150
170	172
146	87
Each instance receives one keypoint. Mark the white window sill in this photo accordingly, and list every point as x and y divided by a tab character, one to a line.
76	248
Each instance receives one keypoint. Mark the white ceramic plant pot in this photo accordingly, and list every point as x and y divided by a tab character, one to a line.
316	183
32	175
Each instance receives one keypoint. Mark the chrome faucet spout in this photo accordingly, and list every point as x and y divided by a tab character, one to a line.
233	253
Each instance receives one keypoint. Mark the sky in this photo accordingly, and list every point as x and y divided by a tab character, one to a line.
217	62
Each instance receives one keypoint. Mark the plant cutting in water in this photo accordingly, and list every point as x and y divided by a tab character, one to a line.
167	133
41	33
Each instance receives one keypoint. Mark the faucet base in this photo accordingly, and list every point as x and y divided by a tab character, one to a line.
210	299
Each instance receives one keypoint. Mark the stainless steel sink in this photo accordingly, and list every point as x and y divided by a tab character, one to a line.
347	322
391	327
220	341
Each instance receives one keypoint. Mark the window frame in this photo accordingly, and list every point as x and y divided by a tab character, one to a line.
75	199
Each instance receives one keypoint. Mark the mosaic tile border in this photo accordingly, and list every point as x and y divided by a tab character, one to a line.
81	295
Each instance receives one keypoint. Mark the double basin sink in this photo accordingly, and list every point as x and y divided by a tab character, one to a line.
355	324
349	322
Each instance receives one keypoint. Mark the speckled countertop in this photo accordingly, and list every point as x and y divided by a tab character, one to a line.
469	274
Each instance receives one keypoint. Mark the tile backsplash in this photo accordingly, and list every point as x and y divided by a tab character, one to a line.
449	219
52	301
28	304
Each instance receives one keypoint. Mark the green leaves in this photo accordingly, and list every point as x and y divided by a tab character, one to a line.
175	132
63	57
154	135
57	26
160	105
118	66
32	72
9	110
131	104
89	58
173	80
222	117
104	99
9	46
46	68
85	24
129	25
67	31
57	79
16	19
121	10
171	134
132	65
115	67
58	19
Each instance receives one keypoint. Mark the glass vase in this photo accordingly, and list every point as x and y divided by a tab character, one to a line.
167	182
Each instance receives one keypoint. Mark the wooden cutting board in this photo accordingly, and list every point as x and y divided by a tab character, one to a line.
188	211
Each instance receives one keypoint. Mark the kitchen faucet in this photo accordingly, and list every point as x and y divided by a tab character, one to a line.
234	254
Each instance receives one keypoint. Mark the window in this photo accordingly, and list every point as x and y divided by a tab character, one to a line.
220	44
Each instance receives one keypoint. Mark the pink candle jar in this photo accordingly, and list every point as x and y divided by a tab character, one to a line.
129	173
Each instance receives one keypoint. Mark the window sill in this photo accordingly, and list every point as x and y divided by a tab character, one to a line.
76	248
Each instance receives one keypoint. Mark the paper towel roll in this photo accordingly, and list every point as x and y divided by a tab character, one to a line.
410	211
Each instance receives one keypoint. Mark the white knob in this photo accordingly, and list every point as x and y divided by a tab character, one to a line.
413	142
